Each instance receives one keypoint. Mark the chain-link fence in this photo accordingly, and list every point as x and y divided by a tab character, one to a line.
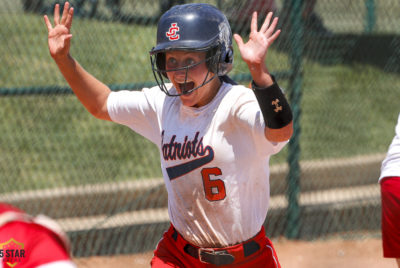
339	62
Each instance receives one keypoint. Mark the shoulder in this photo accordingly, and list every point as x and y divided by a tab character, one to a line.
155	90
156	96
238	94
241	90
150	92
151	96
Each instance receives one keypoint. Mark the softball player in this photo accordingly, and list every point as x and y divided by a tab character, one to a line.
390	195
43	242
215	137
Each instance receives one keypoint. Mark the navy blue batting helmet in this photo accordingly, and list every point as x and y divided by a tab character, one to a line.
193	27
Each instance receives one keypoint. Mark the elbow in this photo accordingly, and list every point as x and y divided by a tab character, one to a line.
281	134
95	112
99	112
102	114
92	109
99	108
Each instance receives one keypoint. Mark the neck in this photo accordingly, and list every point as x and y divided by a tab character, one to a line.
212	90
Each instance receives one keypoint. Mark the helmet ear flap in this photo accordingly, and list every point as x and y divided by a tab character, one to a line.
220	61
229	56
227	63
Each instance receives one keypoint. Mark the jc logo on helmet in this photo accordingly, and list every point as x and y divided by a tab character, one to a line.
171	34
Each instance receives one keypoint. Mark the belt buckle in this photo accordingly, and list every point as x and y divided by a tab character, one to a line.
216	257
206	250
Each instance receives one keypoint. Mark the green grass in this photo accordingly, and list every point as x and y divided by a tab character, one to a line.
51	141
115	53
348	111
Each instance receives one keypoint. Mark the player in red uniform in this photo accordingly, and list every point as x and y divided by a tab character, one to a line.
390	195
28	241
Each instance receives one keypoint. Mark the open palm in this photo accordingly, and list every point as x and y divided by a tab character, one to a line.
59	36
256	48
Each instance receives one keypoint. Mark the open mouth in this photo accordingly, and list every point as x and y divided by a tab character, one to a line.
186	87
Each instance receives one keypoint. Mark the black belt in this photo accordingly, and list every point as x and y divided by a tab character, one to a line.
215	256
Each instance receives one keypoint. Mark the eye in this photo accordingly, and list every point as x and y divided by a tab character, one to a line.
189	62
172	63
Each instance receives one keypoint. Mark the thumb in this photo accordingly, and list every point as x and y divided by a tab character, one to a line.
67	37
239	40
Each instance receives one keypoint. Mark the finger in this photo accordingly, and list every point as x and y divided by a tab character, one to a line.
272	27
253	26
266	23
48	23
67	37
68	21
239	40
273	37
56	14
65	13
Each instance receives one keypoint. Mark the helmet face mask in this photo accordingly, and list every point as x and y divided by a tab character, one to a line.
193	28
160	72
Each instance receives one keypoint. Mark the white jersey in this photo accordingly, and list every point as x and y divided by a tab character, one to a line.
214	159
391	164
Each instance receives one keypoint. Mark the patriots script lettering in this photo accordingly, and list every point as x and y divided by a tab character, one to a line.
176	150
186	150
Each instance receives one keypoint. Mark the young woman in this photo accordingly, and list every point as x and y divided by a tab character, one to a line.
215	137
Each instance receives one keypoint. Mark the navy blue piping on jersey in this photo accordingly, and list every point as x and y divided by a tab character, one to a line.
184	168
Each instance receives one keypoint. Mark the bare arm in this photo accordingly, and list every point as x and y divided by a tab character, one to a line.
91	92
254	53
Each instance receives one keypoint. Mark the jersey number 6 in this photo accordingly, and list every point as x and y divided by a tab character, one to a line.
214	189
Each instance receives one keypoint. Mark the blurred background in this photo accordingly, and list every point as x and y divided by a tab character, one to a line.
338	62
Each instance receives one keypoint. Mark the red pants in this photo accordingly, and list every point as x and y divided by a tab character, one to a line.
174	251
390	196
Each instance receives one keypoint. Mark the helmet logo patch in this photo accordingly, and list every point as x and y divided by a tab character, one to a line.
171	34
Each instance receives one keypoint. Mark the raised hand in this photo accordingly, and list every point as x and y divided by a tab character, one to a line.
59	37
255	50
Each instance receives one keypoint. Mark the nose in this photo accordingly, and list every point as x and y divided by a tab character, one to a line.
181	73
181	69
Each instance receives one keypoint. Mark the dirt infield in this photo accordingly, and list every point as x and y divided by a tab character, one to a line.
292	254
